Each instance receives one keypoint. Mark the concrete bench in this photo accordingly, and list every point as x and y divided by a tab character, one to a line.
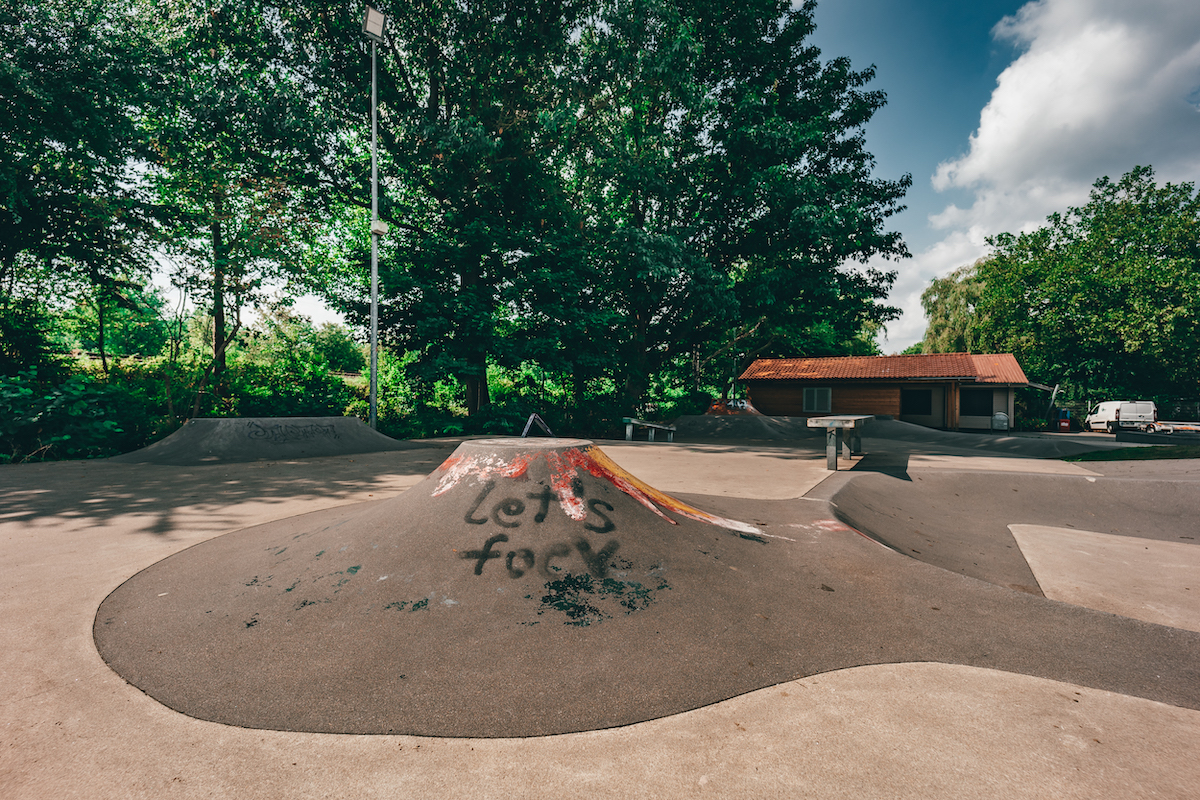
835	440
650	427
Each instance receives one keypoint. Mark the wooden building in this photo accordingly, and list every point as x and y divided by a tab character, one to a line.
940	390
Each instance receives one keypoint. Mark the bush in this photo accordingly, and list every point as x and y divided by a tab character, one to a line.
74	419
287	388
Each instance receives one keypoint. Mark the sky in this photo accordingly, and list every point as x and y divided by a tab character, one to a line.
1005	112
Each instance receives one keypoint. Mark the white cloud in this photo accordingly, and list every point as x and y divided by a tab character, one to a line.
1099	87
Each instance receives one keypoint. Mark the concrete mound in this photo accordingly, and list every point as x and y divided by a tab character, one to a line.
238	439
526	587
531	587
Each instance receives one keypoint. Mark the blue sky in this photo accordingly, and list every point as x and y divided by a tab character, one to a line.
1004	112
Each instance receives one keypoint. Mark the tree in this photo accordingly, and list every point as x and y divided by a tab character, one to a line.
1106	297
950	305
232	143
727	184
132	323
71	217
468	97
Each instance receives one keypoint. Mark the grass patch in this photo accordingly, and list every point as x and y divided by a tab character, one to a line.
1140	453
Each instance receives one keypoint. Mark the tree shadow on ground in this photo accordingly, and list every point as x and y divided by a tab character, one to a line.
158	498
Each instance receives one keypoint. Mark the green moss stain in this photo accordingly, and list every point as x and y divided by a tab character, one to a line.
400	605
353	570
571	595
586	601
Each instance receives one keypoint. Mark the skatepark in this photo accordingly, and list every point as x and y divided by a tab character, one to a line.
945	615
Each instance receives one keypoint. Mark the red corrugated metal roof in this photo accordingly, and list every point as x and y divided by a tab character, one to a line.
990	368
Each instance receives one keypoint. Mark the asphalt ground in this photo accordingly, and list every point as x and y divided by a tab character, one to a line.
874	673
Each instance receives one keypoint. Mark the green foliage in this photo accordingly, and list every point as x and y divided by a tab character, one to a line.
606	189
950	305
27	337
293	387
335	345
1104	298
595	208
231	143
1140	453
73	419
125	324
279	371
71	80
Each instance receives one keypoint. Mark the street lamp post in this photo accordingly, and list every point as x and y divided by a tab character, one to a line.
373	23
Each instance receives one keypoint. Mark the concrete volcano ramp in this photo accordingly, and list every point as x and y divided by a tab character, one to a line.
238	439
532	587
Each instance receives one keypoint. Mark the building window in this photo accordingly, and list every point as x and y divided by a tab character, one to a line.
817	400
916	402
975	403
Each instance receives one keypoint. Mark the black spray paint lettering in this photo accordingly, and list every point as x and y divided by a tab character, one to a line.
608	523
506	513
597	563
595	560
469	517
487	552
525	555
544	498
556	551
509	508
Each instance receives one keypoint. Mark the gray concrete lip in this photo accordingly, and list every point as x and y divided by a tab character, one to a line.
224	440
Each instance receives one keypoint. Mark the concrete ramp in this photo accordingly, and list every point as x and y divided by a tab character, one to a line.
744	427
239	439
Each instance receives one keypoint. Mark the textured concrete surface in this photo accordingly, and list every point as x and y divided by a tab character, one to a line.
1145	579
1043	466
725	470
72	727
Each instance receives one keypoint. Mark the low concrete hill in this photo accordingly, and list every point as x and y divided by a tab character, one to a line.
239	439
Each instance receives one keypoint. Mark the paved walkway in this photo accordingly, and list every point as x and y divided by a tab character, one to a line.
72	532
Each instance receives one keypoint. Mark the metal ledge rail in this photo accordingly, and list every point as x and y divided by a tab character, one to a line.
851	425
650	427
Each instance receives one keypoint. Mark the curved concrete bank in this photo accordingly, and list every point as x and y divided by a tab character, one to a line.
239	439
530	589
960	520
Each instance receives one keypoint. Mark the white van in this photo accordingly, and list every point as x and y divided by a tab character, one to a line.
1103	417
1139	414
1113	414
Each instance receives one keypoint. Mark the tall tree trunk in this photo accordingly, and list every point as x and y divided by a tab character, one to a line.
475	378
220	265
100	331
